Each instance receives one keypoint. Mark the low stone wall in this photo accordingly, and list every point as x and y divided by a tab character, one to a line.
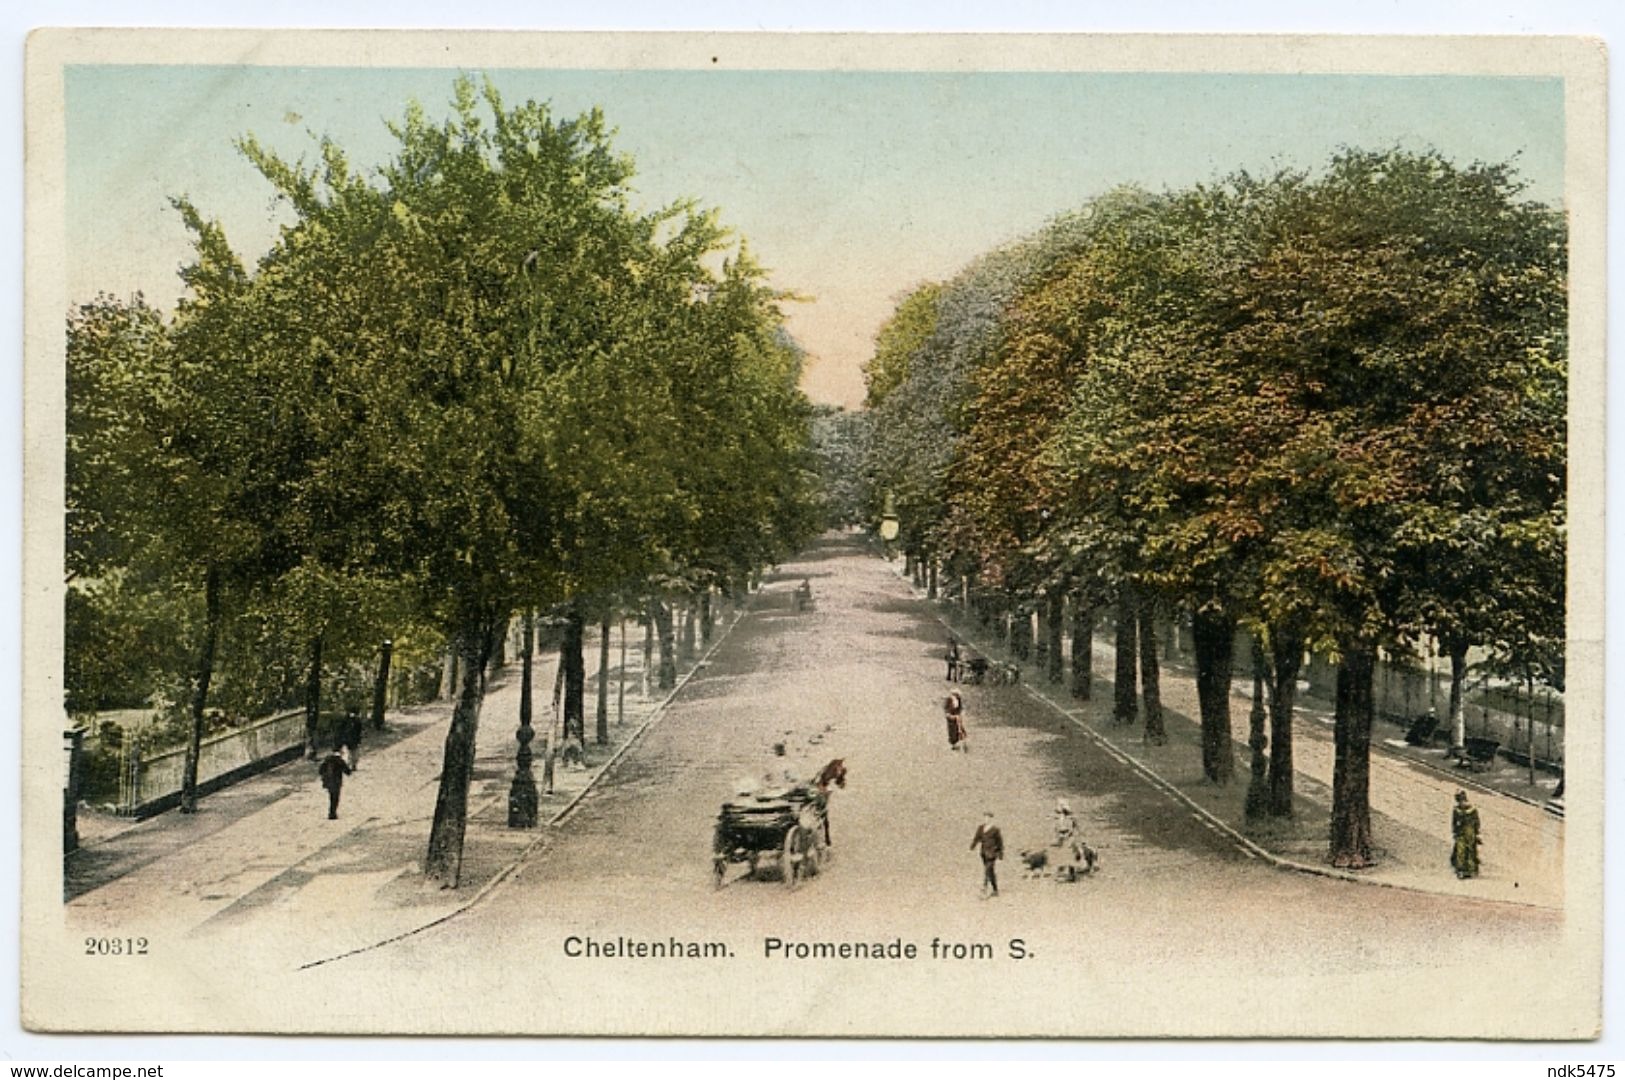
154	783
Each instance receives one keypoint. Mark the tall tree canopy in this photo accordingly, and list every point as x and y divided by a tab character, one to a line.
1328	407
472	380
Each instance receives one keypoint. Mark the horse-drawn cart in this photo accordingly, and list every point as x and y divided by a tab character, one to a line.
788	827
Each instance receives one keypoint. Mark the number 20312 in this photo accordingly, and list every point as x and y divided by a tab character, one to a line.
116	946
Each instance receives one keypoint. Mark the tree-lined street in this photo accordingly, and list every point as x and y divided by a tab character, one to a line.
503	475
860	678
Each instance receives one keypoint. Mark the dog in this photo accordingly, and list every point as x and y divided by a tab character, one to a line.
1036	862
1085	865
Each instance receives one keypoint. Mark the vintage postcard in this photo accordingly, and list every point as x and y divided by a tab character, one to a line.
813	535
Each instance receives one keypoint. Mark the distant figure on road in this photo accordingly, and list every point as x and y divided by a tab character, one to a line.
953	659
333	770
350	737
991	842
1066	826
1073	855
1464	828
953	711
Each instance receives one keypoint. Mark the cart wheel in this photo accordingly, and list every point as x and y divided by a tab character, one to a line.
789	859
719	870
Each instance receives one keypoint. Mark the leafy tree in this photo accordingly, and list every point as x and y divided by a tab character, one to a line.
840	446
1278	403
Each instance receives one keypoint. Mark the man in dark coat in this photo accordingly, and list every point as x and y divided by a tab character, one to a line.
333	770
1464	831
350	737
991	842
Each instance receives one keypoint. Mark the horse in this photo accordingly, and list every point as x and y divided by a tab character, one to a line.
833	773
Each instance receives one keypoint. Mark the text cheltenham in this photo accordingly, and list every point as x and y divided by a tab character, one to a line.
621	948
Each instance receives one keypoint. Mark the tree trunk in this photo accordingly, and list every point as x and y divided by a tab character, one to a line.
1150	674
1083	654
908	565
660	612
448	676
200	688
574	664
1351	775
444	862
1286	649
620	690
686	655
1258	790
1213	635
1458	679
313	696
1125	706
1529	693
554	722
648	645
707	618
602	734
1040	642
380	685
931	580
523	800
1052	627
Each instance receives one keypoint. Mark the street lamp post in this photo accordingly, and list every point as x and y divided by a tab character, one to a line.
523	799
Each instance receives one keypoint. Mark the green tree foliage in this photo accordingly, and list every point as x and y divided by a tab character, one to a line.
1328	408
470	381
904	334
840	443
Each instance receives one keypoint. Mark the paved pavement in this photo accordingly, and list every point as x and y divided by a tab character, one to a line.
1411	799
262	853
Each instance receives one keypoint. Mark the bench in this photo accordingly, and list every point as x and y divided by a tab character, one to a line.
1420	733
1480	751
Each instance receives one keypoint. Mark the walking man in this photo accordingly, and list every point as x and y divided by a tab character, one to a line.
351	737
991	842
1464	830
333	770
953	658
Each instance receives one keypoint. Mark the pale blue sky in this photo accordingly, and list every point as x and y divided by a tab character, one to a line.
852	187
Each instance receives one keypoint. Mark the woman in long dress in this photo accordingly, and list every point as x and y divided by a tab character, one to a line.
953	710
1464	829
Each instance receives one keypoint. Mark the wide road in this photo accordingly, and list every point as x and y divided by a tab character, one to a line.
1180	931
